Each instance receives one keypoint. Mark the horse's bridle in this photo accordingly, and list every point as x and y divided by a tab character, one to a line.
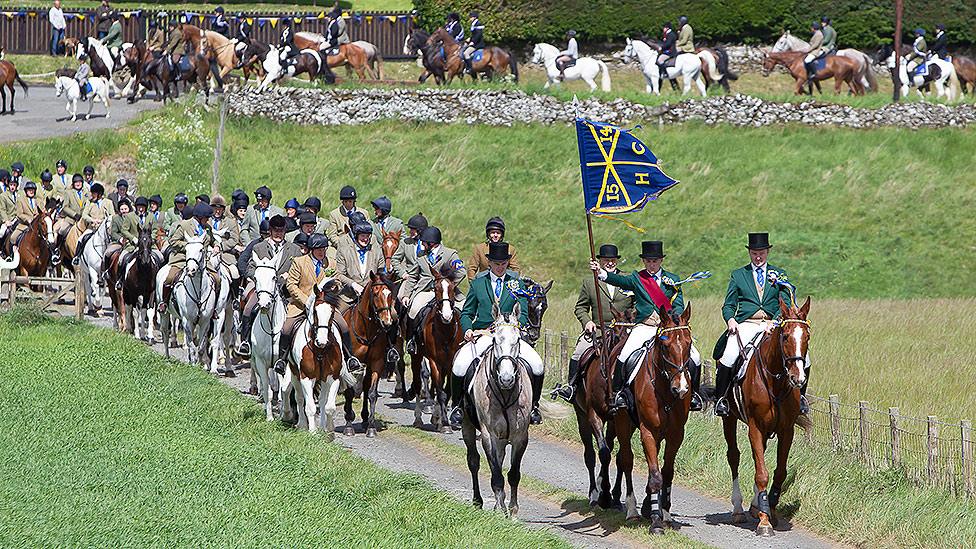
670	369
782	338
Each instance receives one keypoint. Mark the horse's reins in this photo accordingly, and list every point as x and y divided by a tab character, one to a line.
669	369
274	297
492	382
766	374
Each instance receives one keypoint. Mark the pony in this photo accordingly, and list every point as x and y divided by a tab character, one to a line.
498	407
390	244
361	56
9	75
715	67
416	44
966	72
193	300
686	65
139	288
842	69
441	337
662	390
585	69
136	57
91	264
251	55
768	402
266	330
217	48
101	61
493	59
788	42
308	62
37	242
68	86
538	303
942	73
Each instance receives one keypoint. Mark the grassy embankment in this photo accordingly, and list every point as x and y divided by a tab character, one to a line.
104	443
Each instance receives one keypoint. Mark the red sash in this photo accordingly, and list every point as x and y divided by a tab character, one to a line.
654	291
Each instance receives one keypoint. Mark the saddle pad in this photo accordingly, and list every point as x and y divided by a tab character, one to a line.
477	55
185	64
820	63
71	240
921	70
87	89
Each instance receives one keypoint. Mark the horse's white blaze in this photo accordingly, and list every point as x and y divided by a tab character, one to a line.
323	315
447	308
506	341
49	227
797	336
736	496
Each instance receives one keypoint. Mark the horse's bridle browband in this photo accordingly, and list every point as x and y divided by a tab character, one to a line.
672	369
788	359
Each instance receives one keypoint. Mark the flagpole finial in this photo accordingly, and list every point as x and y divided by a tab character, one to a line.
576	105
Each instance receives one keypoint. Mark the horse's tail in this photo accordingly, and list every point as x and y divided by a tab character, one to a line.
723	64
378	58
24	84
554	410
869	73
605	76
955	91
709	67
804	422
513	66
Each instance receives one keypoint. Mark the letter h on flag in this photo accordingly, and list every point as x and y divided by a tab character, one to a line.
620	173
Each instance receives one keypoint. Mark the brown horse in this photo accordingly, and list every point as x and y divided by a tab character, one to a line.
441	337
360	56
136	57
768	401
370	322
389	245
37	243
592	405
662	390
9	75
966	71
391	242
218	48
493	60
841	69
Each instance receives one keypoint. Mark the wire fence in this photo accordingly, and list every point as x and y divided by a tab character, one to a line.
927	451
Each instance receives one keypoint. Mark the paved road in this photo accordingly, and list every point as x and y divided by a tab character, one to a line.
41	115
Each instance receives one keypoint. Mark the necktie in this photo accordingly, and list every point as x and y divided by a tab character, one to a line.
216	224
142	220
362	254
31	203
498	288
79	198
431	259
318	267
199	229
419	250
759	277
263	213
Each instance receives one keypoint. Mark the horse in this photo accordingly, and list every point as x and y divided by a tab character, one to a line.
139	288
251	55
686	65
441	337
498	407
942	73
266	330
842	69
222	329
493	59
308	62
219	50
715	67
37	242
136	56
585	69
9	75
538	303
360	55
91	264
193	300
371	321
201	68
788	42
68	86
101	61
416	44
592	405
316	357
389	245
662	391
768	402
966	72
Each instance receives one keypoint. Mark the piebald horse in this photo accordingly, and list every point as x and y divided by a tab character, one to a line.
307	61
102	62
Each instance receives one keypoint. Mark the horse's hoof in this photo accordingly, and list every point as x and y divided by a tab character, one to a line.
371	433
446	429
329	437
426	409
754	511
349	431
88	117
418	423
764	530
657	526
738	518
513	512
229	372
252	390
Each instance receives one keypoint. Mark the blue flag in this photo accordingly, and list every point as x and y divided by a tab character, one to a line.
620	173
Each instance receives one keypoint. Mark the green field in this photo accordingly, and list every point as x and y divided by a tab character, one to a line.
104	443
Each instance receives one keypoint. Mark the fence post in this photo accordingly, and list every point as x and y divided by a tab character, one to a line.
932	443
966	429
79	295
862	421
835	434
563	354
895	437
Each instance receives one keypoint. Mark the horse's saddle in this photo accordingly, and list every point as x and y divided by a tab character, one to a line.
184	64
86	89
820	63
477	55
565	62
669	63
921	70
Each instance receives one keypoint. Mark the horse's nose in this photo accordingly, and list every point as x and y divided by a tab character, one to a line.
506	380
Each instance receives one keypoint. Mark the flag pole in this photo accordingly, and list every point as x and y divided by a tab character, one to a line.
599	342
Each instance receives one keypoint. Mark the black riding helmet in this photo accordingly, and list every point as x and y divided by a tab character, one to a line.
313	202
383	204
61	163
4	175
17	167
181	198
362	228
347	193
431	235
76	178
97	188
262	192
156	199
46	176
142	201
89	170
417	222
30	186
495	223
683	20
317	242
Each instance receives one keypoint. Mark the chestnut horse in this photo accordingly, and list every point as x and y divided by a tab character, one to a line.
441	337
966	71
770	406
390	244
493	60
842	69
370	322
38	242
218	48
9	75
662	391
352	55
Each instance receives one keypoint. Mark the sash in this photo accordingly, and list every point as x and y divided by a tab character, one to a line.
654	291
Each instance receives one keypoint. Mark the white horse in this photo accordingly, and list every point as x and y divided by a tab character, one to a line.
686	65
266	330
585	69
222	329
788	42
193	300
91	263
72	91
946	85
111	62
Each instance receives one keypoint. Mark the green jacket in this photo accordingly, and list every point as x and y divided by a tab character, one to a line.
115	233
646	307
476	313
585	310
114	37
686	40
829	38
742	300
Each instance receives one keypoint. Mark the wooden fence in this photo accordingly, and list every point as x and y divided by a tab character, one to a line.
10	281
27	30
927	451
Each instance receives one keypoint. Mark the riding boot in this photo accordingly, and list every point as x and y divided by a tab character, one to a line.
164	302
568	391
352	363
619	400
535	418
696	400
284	348
244	349
468	67
811	73
411	344
804	405
457	394
723	378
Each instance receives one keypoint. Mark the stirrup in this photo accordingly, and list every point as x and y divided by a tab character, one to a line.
354	365
392	356
76	260
804	405
411	346
697	403
722	407
619	402
244	349
565	392
279	366
455	416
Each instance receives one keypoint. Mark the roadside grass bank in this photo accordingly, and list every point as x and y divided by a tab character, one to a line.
102	442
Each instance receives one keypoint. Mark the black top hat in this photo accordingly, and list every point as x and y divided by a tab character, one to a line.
759	241
652	249
498	251
608	251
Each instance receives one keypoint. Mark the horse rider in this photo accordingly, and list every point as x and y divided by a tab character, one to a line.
244	259
475	42
336	35
939	48
104	19
356	259
97	211
286	43
138	220
307	271
273	246
494	287
89	174
157	216
8	207
17	172
313	206
198	225
339	217
227	228
418	283
686	37
240	196
291	215
494	232
82	74
243	29
816	51
121	192
612	299
567	57
406	254
27	207
113	40
157	37
61	173
72	204
175	215
454	27
261	210
173	42
238	208
668	44
918	54
829	36
47	189
220	24
116	238
306	226
383	222
750	309
655	294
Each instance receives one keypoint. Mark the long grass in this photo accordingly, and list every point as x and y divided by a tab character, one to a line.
104	443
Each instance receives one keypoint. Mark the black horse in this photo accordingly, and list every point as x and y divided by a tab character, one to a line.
430	56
